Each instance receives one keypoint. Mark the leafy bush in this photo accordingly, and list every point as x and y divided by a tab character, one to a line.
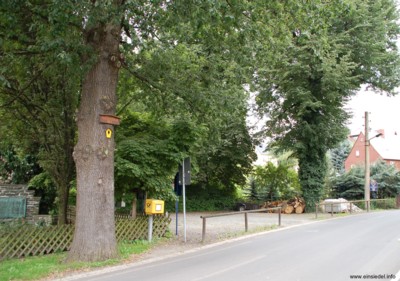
351	184
273	182
149	151
206	198
16	168
197	205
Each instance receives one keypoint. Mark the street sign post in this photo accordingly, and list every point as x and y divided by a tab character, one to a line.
184	179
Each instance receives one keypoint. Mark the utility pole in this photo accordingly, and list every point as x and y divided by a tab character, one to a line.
367	162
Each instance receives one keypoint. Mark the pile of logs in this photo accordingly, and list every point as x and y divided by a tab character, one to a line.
296	205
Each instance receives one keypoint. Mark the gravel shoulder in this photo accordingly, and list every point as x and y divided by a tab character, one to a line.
218	229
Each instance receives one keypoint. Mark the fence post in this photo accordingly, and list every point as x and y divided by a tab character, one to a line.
316	210
203	234
279	216
246	223
351	207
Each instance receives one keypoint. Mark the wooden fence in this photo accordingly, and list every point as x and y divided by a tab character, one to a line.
246	224
29	240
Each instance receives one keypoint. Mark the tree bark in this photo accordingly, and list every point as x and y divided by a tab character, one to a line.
134	206
63	194
94	237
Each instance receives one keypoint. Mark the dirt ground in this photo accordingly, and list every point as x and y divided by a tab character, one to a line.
218	229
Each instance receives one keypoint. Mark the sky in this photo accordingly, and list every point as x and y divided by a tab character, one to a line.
384	112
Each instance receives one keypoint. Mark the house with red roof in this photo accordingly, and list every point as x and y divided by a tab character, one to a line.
386	147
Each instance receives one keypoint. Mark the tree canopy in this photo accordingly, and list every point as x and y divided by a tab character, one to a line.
39	87
351	184
177	74
182	55
336	47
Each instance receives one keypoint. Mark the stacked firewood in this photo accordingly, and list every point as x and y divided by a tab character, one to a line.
295	205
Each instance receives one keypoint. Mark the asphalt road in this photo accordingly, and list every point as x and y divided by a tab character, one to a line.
365	246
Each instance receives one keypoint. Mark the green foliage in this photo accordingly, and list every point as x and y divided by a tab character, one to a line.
387	178
225	156
149	151
338	155
194	82
252	193
351	184
274	182
330	55
209	198
40	75
204	205
183	53
16	168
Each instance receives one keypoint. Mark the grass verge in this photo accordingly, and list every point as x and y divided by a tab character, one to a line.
34	268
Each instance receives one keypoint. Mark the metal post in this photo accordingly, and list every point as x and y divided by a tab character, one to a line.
351	207
332	210
203	235
150	229
184	200
176	216
316	210
246	223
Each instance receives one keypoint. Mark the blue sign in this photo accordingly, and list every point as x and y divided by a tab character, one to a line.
373	186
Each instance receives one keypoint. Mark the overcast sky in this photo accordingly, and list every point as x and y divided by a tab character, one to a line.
384	112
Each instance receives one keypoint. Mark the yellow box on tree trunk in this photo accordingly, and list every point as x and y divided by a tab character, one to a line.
154	206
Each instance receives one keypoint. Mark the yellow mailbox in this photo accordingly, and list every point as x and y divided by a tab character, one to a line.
154	206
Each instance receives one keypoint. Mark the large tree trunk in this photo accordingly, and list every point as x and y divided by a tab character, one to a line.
94	237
